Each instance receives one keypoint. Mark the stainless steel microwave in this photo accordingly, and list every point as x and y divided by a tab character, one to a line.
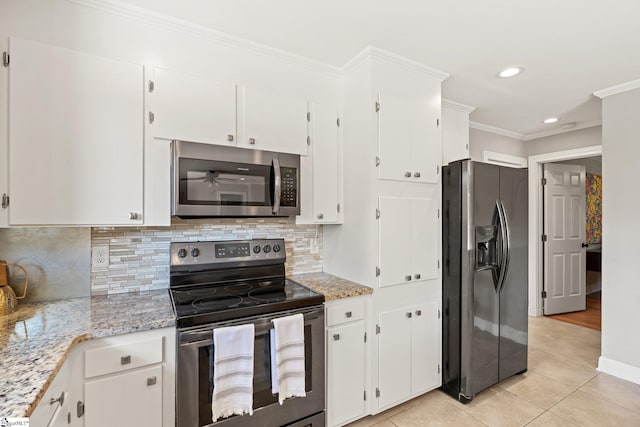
220	181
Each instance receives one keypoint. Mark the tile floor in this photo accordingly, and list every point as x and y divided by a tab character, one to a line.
561	388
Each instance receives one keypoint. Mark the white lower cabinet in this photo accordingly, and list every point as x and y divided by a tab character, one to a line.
409	352
346	360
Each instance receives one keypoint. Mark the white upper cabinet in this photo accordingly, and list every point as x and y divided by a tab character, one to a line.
408	240
273	122
193	108
321	172
455	131
409	143
75	137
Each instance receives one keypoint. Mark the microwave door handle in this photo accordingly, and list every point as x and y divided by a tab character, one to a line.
277	187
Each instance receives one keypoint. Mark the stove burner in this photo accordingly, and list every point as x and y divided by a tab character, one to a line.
217	303
201	292
268	294
238	287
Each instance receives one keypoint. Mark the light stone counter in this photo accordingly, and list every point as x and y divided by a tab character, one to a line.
36	339
331	286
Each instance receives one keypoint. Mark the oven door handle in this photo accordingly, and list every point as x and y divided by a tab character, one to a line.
277	186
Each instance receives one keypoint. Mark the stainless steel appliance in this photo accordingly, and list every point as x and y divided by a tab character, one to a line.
484	276
217	284
213	180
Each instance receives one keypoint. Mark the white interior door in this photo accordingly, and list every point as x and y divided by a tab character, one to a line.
564	226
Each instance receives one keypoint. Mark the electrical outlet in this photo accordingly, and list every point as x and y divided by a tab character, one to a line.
314	246
100	256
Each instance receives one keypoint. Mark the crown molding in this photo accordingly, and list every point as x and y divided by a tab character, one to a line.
613	90
578	126
496	130
457	106
160	20
370	53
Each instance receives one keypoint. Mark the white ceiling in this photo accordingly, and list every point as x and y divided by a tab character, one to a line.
569	48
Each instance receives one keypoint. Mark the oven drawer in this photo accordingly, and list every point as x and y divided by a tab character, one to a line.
343	312
117	358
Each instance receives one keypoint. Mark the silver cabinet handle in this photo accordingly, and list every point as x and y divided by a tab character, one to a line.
417	276
133	215
277	185
416	175
230	137
407	174
125	360
336	337
407	278
409	315
151	381
348	314
418	312
320	215
59	400
252	141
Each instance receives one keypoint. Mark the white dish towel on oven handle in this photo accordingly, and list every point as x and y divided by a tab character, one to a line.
233	371
287	357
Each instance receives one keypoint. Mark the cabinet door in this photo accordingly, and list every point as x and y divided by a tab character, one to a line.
131	399
193	108
272	122
426	149
394	357
324	149
345	373
455	135
75	137
394	241
425	347
425	238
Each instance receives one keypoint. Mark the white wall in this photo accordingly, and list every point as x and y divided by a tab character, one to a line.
621	283
480	141
588	137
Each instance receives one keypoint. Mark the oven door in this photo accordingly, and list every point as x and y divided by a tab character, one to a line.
210	180
194	385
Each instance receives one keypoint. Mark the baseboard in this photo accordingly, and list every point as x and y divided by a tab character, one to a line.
619	369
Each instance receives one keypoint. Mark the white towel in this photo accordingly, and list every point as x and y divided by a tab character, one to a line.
233	371
287	357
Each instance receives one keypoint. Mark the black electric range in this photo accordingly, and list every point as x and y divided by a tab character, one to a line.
223	280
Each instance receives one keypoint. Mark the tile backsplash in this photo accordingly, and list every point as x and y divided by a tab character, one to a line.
139	257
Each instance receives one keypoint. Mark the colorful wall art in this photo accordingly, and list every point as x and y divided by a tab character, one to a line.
594	208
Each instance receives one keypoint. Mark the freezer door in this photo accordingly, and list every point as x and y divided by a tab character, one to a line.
485	315
514	292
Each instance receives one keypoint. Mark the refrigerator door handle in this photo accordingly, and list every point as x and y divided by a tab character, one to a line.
505	246
500	250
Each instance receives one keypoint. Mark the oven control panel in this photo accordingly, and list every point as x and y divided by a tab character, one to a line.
218	252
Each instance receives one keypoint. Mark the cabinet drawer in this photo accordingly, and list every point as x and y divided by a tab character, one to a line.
345	312
116	358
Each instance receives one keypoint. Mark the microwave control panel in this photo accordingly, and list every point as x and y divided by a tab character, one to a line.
289	192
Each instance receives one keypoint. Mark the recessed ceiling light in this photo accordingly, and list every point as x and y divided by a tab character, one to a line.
509	72
550	120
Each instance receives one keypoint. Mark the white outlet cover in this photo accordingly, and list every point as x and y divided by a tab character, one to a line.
100	256
313	247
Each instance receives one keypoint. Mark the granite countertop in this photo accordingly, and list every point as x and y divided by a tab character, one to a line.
36	339
331	286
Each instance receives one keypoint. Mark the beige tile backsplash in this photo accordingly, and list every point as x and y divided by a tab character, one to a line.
139	256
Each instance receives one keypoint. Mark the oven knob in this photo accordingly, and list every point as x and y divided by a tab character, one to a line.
276	248
266	249
182	253
256	249
195	252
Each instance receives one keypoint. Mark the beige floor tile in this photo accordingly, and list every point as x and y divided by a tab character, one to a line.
542	391
549	419
575	350
559	368
435	411
588	410
499	408
368	421
385	423
616	390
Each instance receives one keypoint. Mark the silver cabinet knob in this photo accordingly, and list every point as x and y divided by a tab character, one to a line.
320	215
416	175
418	312
409	315
407	278
348	314
125	360
133	215
151	381
336	337
229	138
407	174
417	276
252	141
59	400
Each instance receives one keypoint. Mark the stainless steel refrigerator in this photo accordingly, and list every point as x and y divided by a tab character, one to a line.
484	295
